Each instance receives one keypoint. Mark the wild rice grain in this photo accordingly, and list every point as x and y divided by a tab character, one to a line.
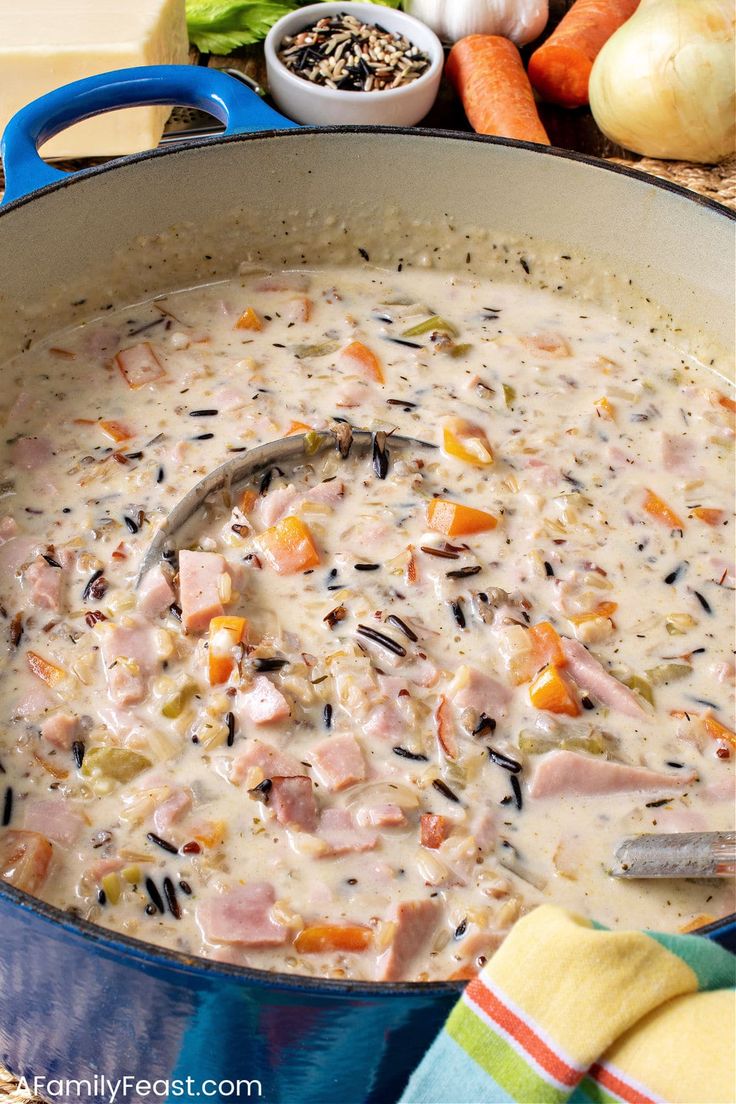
7	807
153	893
445	790
402	626
162	843
171	901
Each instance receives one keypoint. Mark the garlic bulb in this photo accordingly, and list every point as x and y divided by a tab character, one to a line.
664	83
520	20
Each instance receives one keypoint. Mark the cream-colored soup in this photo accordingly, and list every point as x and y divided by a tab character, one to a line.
294	793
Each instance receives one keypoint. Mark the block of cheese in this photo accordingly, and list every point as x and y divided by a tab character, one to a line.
47	43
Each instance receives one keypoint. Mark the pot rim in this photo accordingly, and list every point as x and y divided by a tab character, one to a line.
388	131
150	954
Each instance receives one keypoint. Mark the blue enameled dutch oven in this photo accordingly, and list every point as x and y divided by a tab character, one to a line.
80	1002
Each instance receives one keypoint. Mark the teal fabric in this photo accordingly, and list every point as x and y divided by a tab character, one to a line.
714	966
451	1077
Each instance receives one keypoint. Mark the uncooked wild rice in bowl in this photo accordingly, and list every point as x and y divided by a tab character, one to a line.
342	51
321	58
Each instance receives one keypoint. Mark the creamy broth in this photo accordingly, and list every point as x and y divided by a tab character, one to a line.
294	793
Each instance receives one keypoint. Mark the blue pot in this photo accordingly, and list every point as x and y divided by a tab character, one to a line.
80	1002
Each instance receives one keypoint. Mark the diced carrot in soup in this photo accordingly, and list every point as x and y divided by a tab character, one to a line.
357	357
718	731
333	937
606	409
551	691
603	609
210	833
708	515
547	644
249	320
729	404
467	442
434	829
455	520
660	511
225	634
297	427
44	669
116	431
547	345
464	973
696	922
288	546
25	858
139	365
248	500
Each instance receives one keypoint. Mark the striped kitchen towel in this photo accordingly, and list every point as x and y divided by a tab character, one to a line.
569	1011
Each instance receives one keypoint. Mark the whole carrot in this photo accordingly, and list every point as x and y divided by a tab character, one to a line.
489	77
560	68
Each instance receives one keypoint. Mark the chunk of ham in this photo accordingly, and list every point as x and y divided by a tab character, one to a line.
471	689
172	810
484	829
342	835
576	775
287	500
292	801
416	922
31	453
242	915
43	583
14	552
477	947
276	504
385	722
55	819
8	528
593	679
380	816
155	593
128	652
199	588
542	473
34	701
263	703
298	310
267	758
61	730
679	454
99	869
139	365
227	398
338	762
25	859
352	394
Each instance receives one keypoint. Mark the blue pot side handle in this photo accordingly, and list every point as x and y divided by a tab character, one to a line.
240	109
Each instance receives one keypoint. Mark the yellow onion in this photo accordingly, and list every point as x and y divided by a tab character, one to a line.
664	86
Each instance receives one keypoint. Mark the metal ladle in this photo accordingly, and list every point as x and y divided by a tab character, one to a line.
676	855
253	465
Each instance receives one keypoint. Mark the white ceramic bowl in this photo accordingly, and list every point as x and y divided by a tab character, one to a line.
305	102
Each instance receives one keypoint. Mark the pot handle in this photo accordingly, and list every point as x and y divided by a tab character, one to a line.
240	109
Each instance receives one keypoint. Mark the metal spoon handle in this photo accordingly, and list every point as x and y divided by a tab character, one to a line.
679	855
